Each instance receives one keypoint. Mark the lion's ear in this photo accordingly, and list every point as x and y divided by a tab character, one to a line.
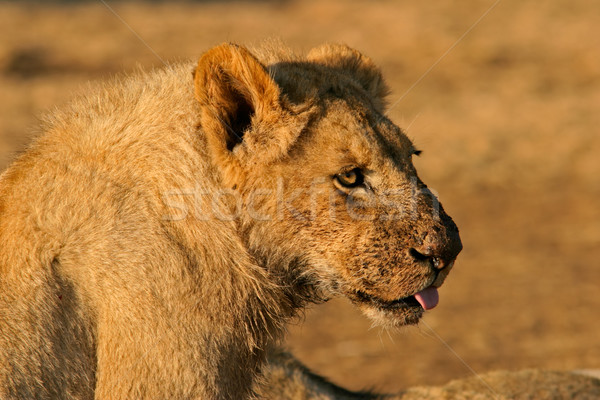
240	108
355	64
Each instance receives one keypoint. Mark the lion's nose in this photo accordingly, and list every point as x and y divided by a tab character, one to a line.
438	249
428	255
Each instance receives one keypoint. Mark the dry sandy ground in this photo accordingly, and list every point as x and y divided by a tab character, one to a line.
508	119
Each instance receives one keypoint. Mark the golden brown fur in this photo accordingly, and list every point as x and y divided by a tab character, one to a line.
286	378
157	237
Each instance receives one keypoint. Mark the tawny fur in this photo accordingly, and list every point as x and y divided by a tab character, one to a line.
155	240
286	378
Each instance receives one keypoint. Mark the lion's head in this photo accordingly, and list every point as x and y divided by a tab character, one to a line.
323	182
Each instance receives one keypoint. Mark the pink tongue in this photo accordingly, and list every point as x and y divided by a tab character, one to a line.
428	298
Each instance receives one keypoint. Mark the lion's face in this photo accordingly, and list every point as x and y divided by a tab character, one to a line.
331	197
364	222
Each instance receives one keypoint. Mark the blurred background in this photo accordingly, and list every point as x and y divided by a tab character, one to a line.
503	97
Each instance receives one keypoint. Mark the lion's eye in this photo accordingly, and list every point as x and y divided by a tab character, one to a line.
351	179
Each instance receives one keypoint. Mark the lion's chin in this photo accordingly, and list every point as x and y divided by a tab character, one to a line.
393	318
406	311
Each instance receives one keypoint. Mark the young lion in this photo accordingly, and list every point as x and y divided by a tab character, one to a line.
285	378
157	237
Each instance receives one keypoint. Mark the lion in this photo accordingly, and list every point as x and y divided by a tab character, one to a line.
161	232
284	377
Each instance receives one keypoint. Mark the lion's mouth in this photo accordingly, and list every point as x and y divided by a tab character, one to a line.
425	299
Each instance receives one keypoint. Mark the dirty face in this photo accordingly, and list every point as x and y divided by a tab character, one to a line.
364	220
332	200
